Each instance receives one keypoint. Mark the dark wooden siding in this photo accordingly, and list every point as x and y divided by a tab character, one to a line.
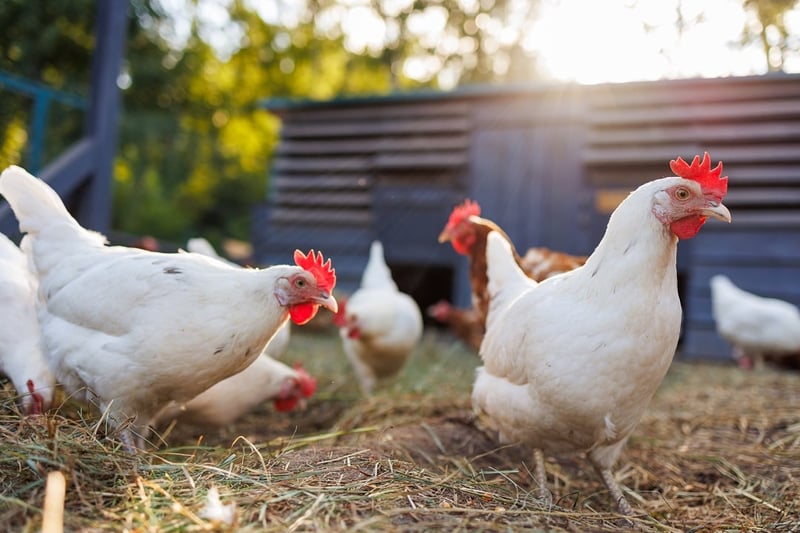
346	174
752	125
548	164
524	173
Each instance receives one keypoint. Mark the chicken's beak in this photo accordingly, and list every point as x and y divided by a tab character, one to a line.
327	301
444	236
717	210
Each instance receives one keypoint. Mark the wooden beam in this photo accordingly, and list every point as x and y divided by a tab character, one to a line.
102	119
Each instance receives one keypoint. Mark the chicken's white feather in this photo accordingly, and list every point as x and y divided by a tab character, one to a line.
377	274
506	280
21	354
280	342
229	399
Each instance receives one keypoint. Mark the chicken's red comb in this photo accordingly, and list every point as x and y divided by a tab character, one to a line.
462	212
307	383
323	272
700	171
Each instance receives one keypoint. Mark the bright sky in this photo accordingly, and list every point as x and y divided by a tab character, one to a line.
588	41
615	40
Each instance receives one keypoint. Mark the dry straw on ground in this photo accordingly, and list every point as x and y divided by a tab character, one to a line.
718	450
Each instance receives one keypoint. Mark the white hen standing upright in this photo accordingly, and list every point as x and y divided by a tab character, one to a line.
21	357
379	325
757	327
136	329
571	363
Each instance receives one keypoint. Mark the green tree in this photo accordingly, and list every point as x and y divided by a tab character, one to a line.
49	43
770	31
193	120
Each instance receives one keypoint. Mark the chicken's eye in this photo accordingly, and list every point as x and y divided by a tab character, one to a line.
300	283
682	194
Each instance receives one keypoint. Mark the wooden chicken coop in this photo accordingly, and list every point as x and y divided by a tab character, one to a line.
548	163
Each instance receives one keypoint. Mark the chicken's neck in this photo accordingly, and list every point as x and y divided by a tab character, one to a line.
635	251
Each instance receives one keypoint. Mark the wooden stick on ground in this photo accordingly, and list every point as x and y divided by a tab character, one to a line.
55	491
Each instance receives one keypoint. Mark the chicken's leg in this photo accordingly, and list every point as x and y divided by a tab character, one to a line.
615	490
540	476
127	439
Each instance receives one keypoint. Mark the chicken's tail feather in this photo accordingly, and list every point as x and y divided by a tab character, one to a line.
377	274
200	245
33	201
38	207
506	279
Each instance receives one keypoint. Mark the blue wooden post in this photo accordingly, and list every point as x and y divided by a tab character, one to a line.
101	124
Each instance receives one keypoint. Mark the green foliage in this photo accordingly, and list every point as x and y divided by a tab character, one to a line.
771	31
194	145
51	43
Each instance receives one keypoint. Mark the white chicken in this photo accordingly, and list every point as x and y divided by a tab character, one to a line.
135	329
758	328
379	325
21	356
280	342
571	363
265	379
223	403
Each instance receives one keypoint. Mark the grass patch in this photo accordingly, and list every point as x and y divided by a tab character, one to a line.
718	449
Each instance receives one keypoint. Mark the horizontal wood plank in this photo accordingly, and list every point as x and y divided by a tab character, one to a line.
409	143
321	164
637	155
421	160
369	128
312	200
294	215
691	112
709	133
322	181
371	108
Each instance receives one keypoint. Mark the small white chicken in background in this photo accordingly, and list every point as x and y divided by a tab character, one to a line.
571	363
758	328
264	380
21	356
379	325
135	330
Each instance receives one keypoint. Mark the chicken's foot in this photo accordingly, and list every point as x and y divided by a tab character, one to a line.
615	491
540	476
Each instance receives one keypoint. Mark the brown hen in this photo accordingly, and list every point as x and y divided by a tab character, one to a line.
467	232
